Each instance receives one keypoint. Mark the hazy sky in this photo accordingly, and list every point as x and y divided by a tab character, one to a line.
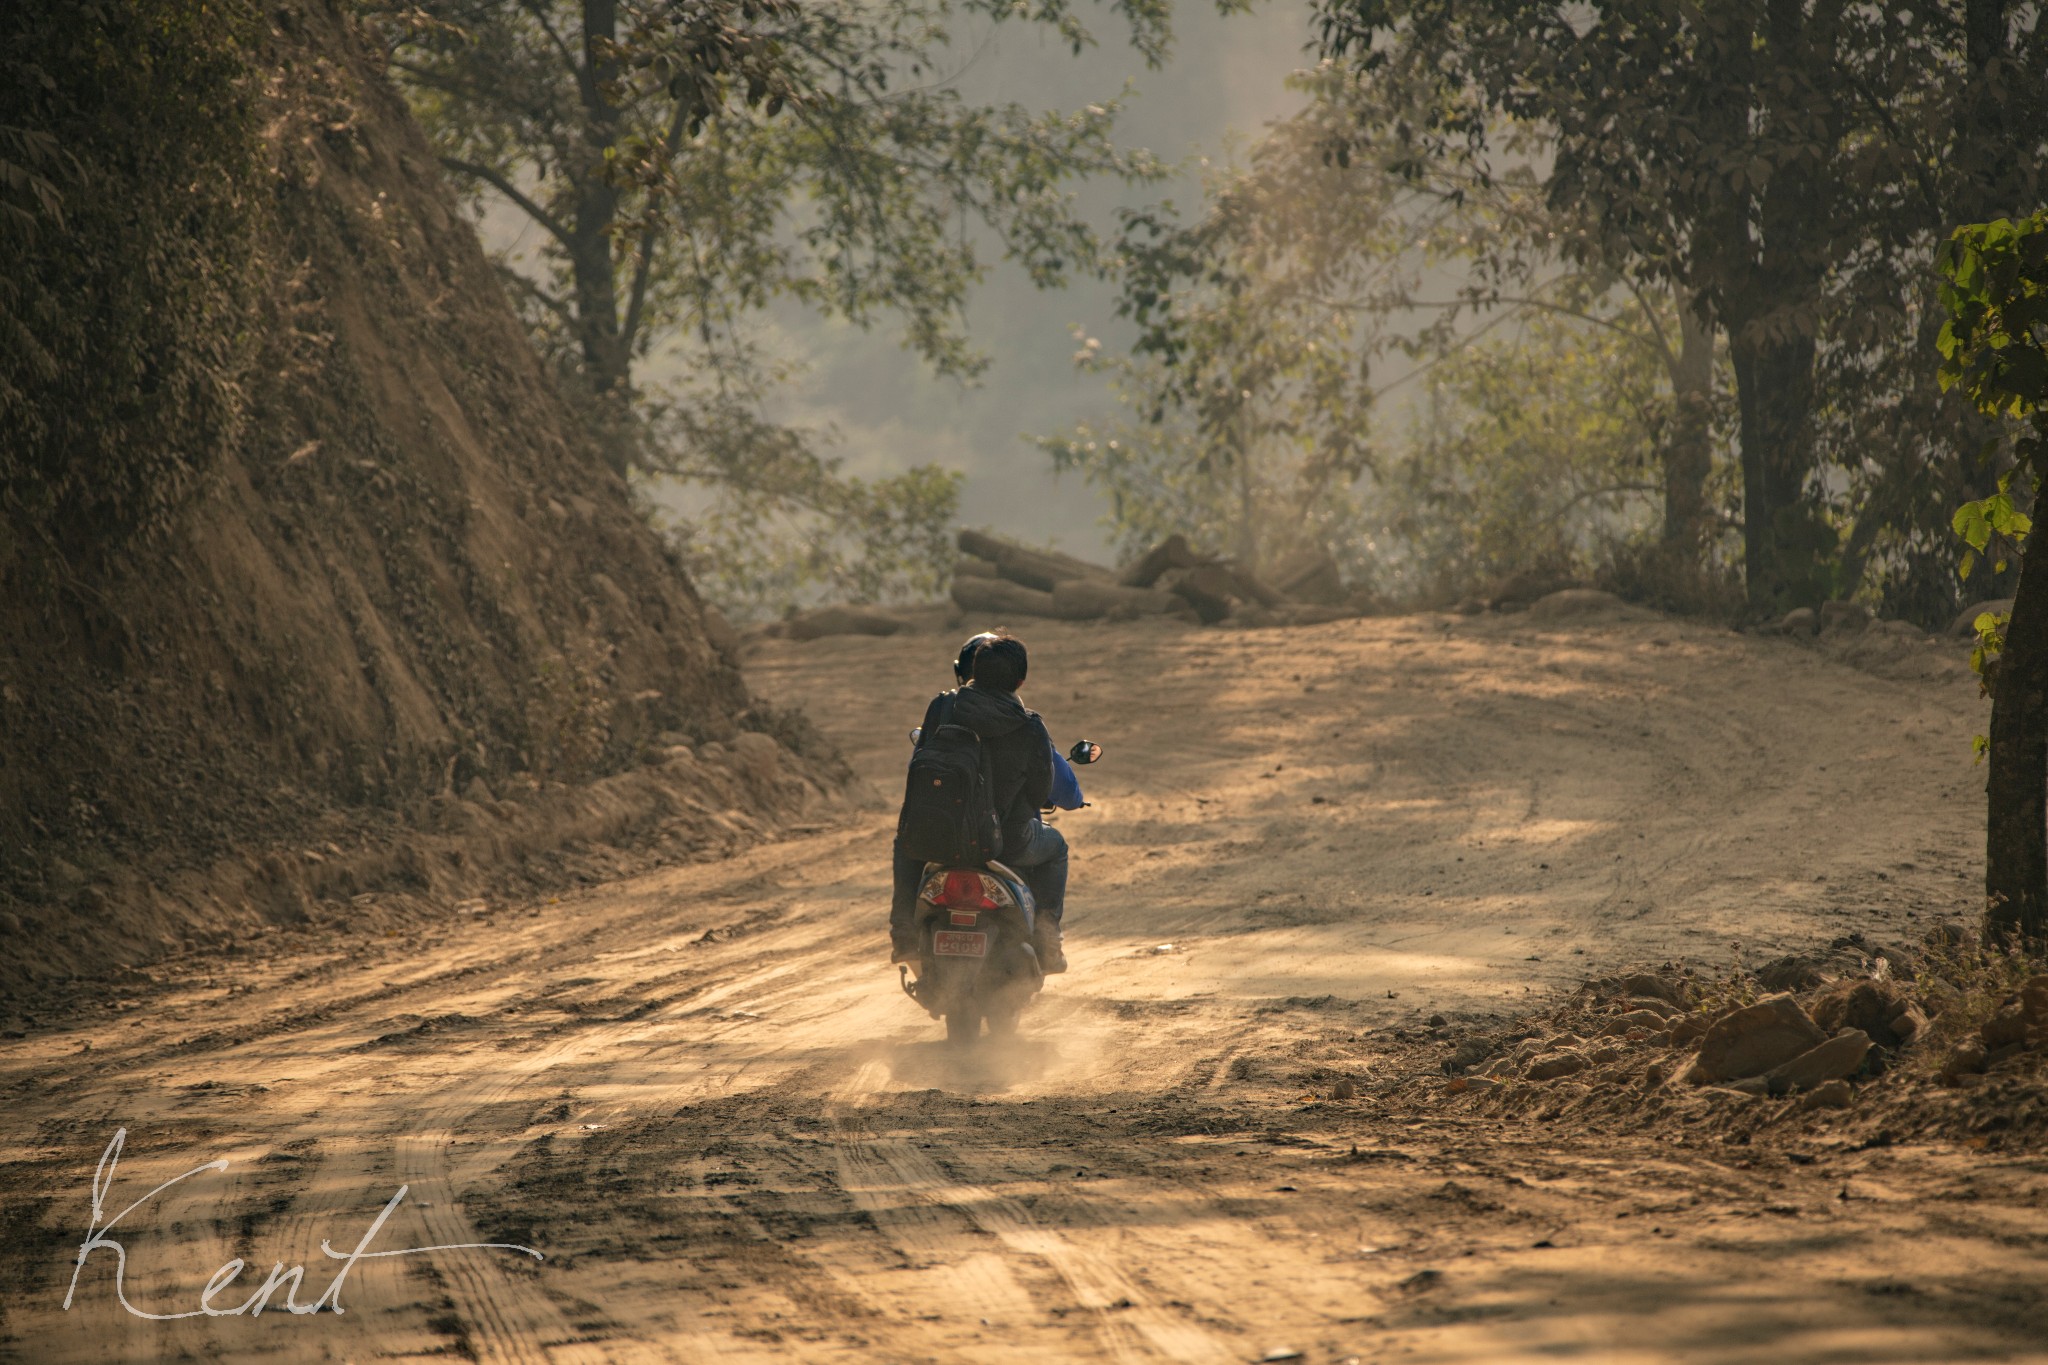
1225	77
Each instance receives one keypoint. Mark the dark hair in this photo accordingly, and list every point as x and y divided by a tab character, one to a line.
963	666
1000	664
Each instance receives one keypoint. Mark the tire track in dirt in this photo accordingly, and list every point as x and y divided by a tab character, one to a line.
1130	1325
516	1322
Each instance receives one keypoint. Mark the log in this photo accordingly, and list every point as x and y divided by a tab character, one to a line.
1251	589
1316	579
1174	552
973	566
846	620
1088	599
1039	569
1000	597
1209	589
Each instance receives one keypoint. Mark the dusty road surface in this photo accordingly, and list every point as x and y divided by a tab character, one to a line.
701	1095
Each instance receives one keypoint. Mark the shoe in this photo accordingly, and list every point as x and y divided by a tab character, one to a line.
1045	939
902	950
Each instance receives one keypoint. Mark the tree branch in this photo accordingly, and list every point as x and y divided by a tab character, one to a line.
505	187
1513	301
643	268
547	26
540	296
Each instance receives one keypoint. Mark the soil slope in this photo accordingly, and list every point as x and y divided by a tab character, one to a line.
700	1094
403	620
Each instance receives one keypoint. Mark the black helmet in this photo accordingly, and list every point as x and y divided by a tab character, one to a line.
963	667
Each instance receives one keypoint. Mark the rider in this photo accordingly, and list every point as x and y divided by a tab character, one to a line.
1027	775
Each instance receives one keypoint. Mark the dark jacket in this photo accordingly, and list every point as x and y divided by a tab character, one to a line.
1019	752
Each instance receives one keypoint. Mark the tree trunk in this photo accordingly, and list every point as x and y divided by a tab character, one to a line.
1774	393
1248	510
1788	549
2016	835
607	363
1688	457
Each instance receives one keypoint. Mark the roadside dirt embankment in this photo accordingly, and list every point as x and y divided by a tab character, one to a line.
404	642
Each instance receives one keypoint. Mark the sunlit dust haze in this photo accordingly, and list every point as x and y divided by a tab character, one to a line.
1226	80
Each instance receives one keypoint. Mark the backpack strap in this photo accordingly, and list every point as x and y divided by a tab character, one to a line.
982	758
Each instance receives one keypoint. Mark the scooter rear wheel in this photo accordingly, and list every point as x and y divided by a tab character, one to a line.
963	1027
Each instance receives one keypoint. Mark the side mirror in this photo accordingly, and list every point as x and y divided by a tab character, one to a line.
1084	751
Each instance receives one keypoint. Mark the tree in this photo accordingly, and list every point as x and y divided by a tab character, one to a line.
1785	163
686	164
1264	322
1995	351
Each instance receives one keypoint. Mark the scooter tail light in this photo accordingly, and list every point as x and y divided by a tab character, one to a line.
963	891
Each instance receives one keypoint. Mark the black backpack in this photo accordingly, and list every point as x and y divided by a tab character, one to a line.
949	812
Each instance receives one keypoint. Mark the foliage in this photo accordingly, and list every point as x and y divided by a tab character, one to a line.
126	140
1246	392
687	166
1551	386
1994	350
780	524
1534	448
1995	343
1792	167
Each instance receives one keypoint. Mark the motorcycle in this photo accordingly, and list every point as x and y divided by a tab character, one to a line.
976	961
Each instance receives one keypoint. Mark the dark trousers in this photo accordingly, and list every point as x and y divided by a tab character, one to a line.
1041	862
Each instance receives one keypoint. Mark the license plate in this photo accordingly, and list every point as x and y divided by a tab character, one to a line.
947	943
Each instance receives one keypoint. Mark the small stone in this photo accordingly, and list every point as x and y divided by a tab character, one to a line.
1832	1095
1966	1060
1798	621
1834	1059
1908	1024
1644	986
2006	1027
1686	1029
1844	617
1551	1065
1863	1004
1343	1090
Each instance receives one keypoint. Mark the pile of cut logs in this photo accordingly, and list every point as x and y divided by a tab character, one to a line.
1000	577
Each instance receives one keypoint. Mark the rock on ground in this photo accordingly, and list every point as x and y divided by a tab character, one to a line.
1755	1039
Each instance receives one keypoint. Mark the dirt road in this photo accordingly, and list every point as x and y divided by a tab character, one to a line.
702	1097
